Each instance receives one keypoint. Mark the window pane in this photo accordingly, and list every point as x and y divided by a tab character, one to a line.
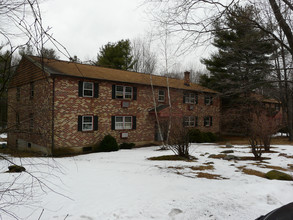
87	127
88	93
128	95
119	119
161	92
88	85
119	125
128	89
127	125
87	119
119	89
128	119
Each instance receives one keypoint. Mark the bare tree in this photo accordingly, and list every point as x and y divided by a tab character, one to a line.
146	59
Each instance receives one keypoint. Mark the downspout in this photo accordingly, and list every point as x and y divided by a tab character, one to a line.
53	115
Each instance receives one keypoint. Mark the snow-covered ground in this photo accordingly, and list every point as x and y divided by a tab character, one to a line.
125	185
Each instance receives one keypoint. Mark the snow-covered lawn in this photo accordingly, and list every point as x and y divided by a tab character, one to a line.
125	185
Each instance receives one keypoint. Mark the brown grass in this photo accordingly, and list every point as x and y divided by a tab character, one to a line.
217	156
253	172
209	176
273	167
209	167
171	157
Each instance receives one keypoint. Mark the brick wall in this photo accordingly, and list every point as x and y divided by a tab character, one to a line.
68	106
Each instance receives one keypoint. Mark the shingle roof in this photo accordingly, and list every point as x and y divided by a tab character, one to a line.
52	66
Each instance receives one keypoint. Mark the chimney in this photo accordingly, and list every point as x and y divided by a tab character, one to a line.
187	78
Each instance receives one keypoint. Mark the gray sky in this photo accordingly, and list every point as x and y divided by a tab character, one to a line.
84	26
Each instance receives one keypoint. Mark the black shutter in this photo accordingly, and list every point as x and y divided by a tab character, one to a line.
79	126
133	122
96	90
96	121
80	88
113	122
196	121
196	98
212	100
211	121
134	93
113	91
183	122
184	97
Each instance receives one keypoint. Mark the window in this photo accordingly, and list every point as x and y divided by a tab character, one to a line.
17	93
123	122
88	89
123	92
190	121
208	121
87	123
31	121
208	100
32	90
161	97
191	98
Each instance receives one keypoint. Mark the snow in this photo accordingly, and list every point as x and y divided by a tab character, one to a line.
3	136
125	185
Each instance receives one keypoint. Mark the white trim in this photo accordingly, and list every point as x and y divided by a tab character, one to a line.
123	123
159	100
124	92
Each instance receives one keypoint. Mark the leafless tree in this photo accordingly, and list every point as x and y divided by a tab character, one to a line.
142	52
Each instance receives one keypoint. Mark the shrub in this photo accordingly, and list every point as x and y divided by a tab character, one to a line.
126	145
108	144
195	136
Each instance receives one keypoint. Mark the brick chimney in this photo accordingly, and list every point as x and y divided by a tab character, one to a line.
187	78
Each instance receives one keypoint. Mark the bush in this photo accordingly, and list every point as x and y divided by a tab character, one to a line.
196	136
108	144
126	145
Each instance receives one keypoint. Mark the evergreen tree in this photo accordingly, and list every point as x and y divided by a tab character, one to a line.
242	61
116	55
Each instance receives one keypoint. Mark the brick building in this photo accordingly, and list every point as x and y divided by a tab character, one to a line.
58	104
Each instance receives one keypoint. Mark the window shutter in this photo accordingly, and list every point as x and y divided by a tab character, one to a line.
196	98
184	97
211	121
196	121
212	100
96	90
80	88
133	122
96	121
134	93
113	122
79	127
113	91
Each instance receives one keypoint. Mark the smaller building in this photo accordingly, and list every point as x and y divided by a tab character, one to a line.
57	104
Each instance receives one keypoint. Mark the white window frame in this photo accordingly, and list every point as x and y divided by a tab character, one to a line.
124	93
123	125
85	89
190	98
87	123
208	100
161	97
207	121
189	121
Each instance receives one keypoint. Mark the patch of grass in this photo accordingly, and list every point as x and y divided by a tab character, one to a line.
286	155
253	158
177	168
172	157
273	167
18	153
217	156
253	172
209	176
208	167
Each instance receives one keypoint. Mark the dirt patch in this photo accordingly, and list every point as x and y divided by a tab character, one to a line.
217	156
253	158
286	155
240	140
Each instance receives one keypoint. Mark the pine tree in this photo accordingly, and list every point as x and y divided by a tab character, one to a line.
242	62
116	55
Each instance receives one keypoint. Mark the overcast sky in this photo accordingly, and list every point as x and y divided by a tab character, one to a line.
84	26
